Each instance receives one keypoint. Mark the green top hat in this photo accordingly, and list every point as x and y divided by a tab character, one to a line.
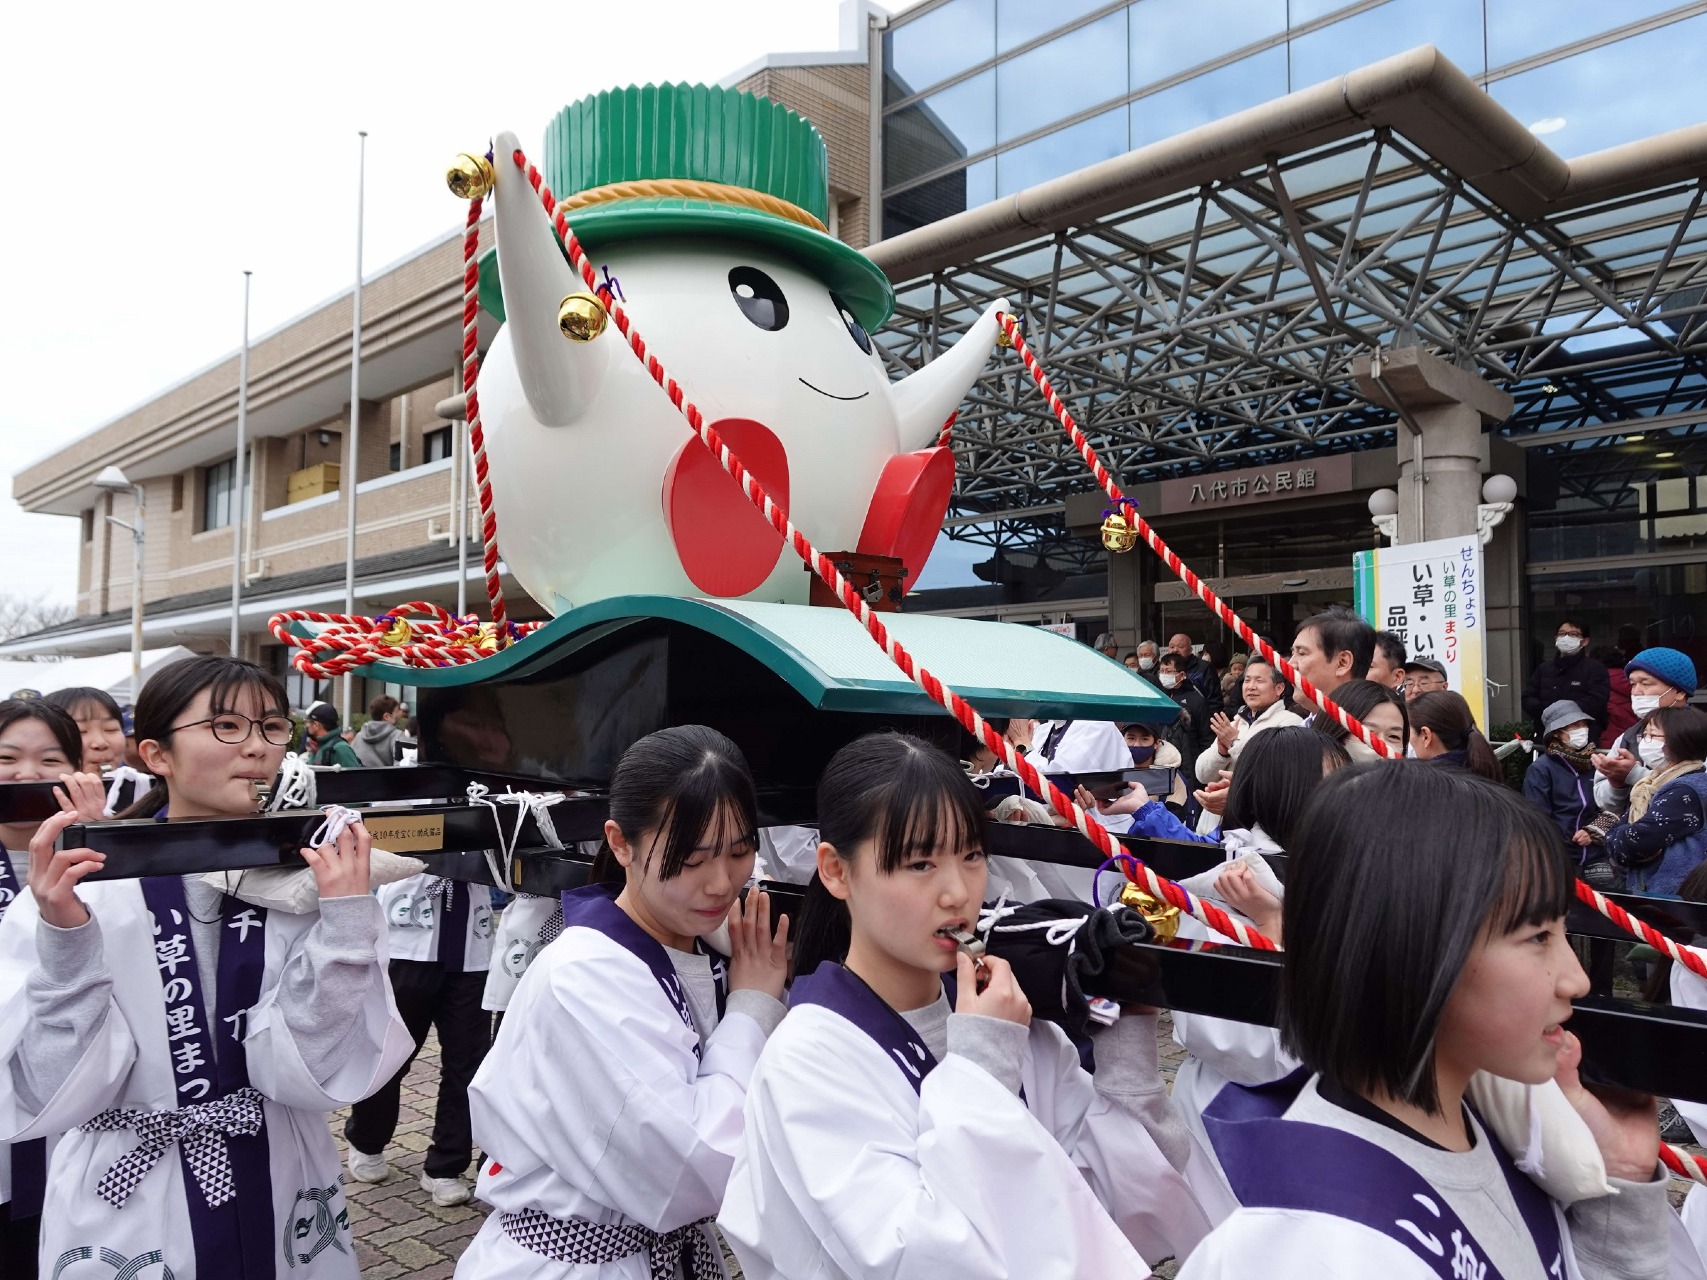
692	160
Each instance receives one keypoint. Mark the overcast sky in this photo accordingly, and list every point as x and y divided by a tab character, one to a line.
158	150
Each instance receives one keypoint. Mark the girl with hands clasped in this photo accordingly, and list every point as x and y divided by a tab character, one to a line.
898	1128
1426	986
610	1106
186	1043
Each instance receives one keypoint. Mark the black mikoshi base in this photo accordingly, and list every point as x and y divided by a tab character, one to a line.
560	720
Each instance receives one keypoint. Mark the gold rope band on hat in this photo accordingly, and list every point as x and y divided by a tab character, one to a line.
691	189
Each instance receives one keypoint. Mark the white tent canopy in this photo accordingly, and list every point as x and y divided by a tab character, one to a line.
109	671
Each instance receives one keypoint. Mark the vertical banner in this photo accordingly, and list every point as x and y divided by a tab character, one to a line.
1430	595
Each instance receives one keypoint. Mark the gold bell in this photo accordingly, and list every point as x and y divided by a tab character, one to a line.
470	177
1117	534
582	317
397	633
1162	917
1003	337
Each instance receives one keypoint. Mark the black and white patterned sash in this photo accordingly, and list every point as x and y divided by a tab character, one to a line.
593	906
218	1126
579	1242
452	922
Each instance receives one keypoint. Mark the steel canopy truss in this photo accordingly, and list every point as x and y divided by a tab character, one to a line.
1217	327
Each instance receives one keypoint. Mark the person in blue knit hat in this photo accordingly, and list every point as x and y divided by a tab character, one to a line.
1659	677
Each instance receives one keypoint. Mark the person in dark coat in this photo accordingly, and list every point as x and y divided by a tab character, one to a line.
1573	676
1191	732
1560	781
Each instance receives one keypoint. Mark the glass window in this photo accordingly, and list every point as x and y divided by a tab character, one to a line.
1061	152
1169	36
940	44
436	445
1618	93
1452	26
1018	21
1303	11
939	130
1255	80
217	483
1062	78
1521	28
951	193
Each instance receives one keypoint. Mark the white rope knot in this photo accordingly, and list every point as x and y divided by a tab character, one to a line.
1057	933
535	803
295	787
200	1129
336	820
115	783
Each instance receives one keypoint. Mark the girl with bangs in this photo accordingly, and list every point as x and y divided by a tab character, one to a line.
1425	959
610	1106
901	1125
186	1043
39	742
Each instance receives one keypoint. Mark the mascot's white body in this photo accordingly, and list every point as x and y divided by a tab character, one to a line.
603	486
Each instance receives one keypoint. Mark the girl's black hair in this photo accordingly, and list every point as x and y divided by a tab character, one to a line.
172	688
1397	872
79	696
1448	716
1359	698
1685	729
59	723
1278	771
676	782
900	792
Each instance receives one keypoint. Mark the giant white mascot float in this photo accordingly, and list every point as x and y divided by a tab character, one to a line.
706	208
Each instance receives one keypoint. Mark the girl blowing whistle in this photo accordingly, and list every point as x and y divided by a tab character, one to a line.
894	1130
1424	927
187	1044
610	1106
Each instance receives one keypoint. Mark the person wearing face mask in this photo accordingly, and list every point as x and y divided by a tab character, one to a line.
1572	676
1146	656
1664	836
1560	780
1191	733
1659	677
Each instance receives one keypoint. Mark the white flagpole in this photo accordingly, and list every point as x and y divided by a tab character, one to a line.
349	477
239	508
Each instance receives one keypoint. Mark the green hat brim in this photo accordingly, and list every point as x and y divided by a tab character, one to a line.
854	278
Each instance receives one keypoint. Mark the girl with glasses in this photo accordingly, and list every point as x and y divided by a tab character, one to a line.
189	1044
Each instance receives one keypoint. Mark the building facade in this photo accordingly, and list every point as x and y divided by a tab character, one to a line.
1204	214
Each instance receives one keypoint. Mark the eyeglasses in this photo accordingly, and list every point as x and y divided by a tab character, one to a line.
1575	635
233	728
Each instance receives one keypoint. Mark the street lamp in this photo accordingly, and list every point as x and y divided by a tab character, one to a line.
114	481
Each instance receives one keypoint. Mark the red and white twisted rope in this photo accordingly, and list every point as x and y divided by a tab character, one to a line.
476	434
940	693
342	642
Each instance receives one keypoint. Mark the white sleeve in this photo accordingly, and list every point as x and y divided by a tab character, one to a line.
1690	992
1211	762
608	1097
1163	1210
1282	1244
93	1083
326	1033
1240	1051
976	1188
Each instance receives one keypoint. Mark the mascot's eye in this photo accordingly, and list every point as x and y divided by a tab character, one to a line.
759	297
855	330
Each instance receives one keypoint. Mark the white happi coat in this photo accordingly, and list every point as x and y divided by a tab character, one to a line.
1690	992
847	1171
129	1065
595	1103
414	916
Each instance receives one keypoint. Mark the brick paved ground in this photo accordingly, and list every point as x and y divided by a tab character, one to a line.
399	1230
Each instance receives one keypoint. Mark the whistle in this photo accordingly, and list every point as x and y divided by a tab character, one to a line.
973	946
